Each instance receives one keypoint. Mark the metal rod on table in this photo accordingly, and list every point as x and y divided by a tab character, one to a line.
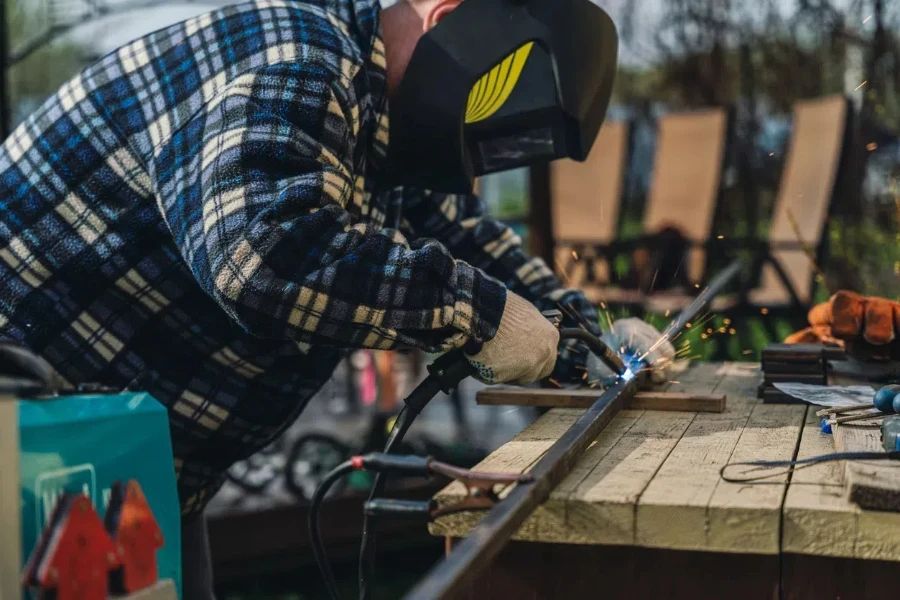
472	555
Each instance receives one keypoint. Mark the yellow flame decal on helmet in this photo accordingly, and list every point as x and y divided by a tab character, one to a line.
493	90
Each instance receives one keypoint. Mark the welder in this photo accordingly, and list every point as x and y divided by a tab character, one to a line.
216	212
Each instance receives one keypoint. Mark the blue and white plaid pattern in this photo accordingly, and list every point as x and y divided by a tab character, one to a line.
197	215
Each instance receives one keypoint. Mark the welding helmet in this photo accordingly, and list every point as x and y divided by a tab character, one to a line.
501	84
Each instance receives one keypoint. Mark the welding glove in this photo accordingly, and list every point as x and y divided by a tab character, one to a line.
864	326
637	338
524	348
577	312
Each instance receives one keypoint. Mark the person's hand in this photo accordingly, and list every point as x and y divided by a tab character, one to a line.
577	312
524	348
864	326
638	338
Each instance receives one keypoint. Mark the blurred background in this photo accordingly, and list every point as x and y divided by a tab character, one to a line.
820	216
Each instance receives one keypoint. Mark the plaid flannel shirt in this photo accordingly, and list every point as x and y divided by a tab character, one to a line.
197	214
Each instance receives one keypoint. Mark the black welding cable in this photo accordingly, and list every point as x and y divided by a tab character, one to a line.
315	531
800	464
367	547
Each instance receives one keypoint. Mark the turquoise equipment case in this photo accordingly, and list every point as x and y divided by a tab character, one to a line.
84	444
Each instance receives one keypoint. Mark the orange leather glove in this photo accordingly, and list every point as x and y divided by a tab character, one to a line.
865	326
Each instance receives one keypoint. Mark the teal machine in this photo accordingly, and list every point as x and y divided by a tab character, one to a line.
82	443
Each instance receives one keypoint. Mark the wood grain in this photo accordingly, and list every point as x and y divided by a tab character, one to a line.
818	518
583	398
595	503
872	485
673	511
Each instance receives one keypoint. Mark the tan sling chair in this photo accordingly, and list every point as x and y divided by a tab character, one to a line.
801	208
683	193
585	200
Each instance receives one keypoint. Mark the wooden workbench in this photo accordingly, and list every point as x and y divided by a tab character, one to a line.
645	513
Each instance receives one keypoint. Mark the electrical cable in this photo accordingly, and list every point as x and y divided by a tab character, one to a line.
315	531
367	546
801	464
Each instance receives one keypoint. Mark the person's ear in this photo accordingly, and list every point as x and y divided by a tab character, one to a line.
438	11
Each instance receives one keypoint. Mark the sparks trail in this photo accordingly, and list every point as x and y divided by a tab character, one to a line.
807	250
698	307
562	271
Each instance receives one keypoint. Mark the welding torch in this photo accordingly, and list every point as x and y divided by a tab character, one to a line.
444	375
594	343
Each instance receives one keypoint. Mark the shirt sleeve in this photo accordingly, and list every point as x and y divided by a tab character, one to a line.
459	222
254	190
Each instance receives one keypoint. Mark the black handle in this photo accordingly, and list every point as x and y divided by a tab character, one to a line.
407	509
395	463
450	369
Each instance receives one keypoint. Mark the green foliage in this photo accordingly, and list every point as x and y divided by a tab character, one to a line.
40	74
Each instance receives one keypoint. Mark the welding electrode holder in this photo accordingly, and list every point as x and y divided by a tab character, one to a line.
444	375
480	486
594	343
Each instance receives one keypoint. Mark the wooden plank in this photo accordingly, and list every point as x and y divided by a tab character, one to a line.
583	398
516	456
550	520
818	518
672	512
872	485
747	518
688	506
600	509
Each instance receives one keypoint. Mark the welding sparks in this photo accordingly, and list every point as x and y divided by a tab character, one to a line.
871	146
764	311
860	85
562	271
721	237
554	382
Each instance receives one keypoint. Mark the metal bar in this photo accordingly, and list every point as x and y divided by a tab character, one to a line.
484	542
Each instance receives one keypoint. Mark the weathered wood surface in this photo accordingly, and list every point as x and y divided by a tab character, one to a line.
820	519
562	398
652	479
873	485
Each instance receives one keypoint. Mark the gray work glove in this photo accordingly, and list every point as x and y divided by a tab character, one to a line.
524	348
638	338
